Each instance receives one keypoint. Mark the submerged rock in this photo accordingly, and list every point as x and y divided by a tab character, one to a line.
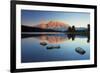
43	43
53	47
80	50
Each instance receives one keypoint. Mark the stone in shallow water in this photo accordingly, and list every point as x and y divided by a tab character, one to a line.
80	50
53	47
43	43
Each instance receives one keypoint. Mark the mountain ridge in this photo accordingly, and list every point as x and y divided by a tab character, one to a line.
53	25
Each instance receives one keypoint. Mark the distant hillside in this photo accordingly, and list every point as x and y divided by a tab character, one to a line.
35	29
81	28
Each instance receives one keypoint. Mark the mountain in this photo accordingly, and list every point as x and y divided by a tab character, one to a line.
55	25
52	26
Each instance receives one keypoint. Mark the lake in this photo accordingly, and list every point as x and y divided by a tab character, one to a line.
54	47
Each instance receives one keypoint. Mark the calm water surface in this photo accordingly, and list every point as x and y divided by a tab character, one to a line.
53	47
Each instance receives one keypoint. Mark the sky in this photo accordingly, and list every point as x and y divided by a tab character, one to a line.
34	17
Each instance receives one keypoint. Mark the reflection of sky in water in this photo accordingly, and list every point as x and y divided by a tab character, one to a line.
32	51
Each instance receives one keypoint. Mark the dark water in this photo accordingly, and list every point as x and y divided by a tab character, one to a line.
54	47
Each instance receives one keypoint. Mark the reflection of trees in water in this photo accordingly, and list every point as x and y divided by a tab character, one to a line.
71	36
88	40
56	38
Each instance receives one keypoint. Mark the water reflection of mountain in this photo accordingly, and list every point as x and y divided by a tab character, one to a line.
56	38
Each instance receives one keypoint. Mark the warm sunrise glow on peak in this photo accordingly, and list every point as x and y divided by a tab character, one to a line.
52	24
